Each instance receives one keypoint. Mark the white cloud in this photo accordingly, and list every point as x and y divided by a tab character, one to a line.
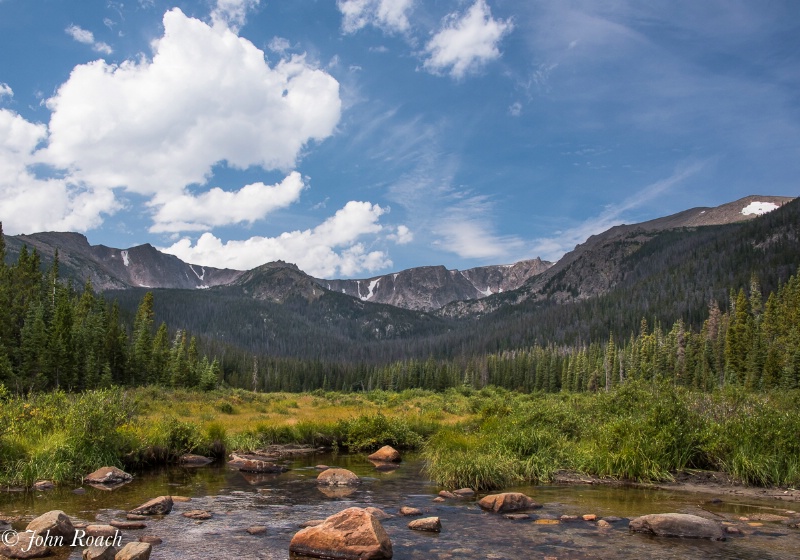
466	230
329	250
5	90
217	207
279	45
87	38
32	203
389	15
207	96
515	109
402	235
466	42
232	13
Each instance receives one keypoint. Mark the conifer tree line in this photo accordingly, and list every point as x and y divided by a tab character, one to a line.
53	336
755	344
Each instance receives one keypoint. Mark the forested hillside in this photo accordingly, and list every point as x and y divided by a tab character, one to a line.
684	305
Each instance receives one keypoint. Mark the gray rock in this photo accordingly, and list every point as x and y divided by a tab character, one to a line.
157	506
338	477
678	525
429	524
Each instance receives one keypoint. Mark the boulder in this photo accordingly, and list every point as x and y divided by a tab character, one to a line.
108	475
135	551
55	521
386	454
256	529
99	553
350	534
405	510
507	501
378	513
430	524
678	525
157	506
464	492
23	548
447	494
338	477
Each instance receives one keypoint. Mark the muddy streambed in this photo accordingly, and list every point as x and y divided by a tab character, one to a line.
282	502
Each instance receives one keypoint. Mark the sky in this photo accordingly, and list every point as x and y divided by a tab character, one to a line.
360	137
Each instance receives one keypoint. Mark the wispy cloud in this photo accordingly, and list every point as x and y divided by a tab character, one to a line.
554	247
87	38
389	15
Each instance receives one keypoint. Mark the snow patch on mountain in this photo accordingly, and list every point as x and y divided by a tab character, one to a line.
370	290
202	272
125	260
759	208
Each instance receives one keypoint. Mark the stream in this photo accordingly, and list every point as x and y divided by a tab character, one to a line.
282	502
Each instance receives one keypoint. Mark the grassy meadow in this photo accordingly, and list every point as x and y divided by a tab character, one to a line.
487	439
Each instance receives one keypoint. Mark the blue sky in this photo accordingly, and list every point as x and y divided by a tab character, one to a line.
357	137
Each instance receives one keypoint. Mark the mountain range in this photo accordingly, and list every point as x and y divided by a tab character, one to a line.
667	268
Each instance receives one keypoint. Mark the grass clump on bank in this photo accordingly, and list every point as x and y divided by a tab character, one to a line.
484	439
638	432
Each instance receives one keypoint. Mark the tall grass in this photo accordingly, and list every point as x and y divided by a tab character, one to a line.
492	438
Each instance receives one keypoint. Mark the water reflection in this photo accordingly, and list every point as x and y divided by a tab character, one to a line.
282	502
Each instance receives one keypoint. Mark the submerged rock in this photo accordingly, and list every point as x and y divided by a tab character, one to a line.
352	534
191	460
43	485
198	514
386	454
338	477
507	501
678	525
259	464
406	510
157	506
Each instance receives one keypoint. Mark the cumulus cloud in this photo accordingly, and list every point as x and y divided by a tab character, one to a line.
33	203
217	207
232	13
87	38
207	96
329	250
389	15
466	42
401	236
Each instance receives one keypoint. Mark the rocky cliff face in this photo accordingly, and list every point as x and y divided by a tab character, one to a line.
113	269
428	288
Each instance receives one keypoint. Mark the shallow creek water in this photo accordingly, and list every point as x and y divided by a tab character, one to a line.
282	502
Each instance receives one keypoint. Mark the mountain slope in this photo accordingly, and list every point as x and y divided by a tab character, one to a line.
594	267
109	269
431	287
